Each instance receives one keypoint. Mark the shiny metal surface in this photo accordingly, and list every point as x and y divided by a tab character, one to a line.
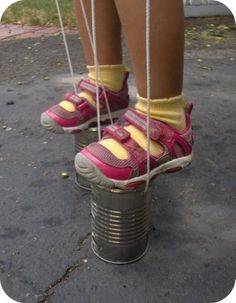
120	224
84	138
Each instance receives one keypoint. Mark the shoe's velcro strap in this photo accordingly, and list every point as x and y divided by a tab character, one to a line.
72	97
86	85
136	152
117	132
156	127
89	87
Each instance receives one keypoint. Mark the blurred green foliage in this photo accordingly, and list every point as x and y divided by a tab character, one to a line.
40	12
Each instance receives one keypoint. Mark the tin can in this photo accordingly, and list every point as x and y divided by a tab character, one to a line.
120	224
85	137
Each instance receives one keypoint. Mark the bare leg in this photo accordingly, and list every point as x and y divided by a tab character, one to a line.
167	44
108	32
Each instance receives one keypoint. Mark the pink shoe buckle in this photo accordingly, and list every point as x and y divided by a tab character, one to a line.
117	133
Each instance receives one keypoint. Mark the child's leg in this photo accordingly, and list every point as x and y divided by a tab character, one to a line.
167	44
166	49
119	160
108	32
77	112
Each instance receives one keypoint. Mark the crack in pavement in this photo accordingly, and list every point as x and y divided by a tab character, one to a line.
83	240
65	277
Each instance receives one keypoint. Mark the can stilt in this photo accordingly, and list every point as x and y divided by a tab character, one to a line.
120	224
82	139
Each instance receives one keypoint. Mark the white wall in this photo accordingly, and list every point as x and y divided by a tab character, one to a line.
196	8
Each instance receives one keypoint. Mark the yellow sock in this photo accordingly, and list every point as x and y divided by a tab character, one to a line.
111	76
170	111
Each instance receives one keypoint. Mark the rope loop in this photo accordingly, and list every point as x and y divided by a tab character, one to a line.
148	79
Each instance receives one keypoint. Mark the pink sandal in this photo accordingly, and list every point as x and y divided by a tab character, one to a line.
59	120
99	166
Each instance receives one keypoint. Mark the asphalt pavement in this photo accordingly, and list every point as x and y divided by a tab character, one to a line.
45	253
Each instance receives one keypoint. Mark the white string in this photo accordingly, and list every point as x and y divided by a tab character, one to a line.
148	78
93	49
66	46
96	68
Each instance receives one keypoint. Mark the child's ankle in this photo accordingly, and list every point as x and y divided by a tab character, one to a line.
111	76
170	110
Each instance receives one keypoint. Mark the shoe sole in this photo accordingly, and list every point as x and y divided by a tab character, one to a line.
47	122
90	172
